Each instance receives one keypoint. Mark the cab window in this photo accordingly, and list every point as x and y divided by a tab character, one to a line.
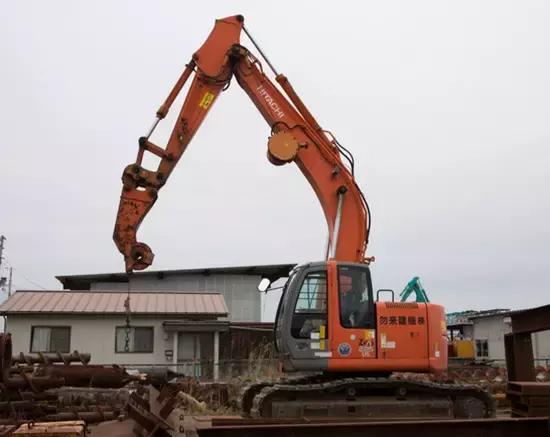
355	295
310	311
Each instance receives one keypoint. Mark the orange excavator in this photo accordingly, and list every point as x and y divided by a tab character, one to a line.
330	328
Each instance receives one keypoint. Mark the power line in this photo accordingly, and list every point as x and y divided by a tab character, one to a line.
2	279
20	273
28	280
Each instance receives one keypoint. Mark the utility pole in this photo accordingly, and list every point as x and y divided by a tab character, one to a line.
2	239
9	283
2	279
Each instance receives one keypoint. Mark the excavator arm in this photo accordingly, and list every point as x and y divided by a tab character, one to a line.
295	137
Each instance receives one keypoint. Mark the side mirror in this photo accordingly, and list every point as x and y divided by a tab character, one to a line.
264	285
385	290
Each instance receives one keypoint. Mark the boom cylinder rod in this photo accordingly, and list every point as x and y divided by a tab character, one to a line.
261	52
153	127
165	107
338	220
163	110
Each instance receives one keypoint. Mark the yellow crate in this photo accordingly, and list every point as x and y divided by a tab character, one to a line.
464	348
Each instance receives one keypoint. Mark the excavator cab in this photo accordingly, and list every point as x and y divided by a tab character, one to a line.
329	321
323	303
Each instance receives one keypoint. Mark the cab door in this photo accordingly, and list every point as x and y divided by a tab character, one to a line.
304	320
353	318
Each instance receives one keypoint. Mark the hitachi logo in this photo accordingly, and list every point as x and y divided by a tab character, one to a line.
269	100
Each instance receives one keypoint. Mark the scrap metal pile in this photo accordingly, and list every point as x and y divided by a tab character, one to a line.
35	387
529	399
172	412
168	410
490	378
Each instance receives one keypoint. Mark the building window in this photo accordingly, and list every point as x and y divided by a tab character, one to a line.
482	348
140	339
50	339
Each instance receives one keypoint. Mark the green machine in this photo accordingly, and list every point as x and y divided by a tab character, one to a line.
414	286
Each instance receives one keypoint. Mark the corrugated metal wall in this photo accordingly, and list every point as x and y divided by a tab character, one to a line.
239	291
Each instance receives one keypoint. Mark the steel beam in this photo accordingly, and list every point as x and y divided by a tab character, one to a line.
533	320
519	357
503	427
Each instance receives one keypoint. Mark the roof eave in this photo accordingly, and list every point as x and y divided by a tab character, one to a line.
93	313
272	271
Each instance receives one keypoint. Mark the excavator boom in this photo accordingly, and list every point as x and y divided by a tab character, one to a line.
295	137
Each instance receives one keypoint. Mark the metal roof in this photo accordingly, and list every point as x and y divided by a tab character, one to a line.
112	302
82	282
196	325
491	313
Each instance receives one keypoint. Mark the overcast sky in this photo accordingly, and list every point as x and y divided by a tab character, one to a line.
445	105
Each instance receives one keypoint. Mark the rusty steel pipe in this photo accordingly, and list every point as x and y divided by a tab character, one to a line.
88	376
23	381
50	358
25	406
87	416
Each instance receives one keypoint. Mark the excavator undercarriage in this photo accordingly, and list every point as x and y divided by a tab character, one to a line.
365	397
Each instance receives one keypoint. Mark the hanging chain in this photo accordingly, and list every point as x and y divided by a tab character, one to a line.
128	326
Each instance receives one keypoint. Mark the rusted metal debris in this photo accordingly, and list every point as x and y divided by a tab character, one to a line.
146	414
31	387
86	416
88	375
152	410
23	380
88	396
74	428
50	358
46	374
7	430
529	399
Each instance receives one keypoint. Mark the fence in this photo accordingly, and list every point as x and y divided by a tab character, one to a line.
259	368
203	370
456	361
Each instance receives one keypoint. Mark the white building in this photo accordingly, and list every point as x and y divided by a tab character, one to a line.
489	330
169	328
238	285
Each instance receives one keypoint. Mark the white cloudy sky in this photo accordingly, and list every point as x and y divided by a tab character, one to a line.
445	104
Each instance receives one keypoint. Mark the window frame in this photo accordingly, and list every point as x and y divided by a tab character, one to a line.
152	328
323	315
315	295
479	343
68	350
371	304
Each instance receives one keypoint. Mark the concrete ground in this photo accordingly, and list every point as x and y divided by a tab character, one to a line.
113	428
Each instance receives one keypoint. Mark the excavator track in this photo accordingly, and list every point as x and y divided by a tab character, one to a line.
368	398
250	391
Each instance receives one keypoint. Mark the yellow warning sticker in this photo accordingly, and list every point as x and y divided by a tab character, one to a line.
369	334
206	100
